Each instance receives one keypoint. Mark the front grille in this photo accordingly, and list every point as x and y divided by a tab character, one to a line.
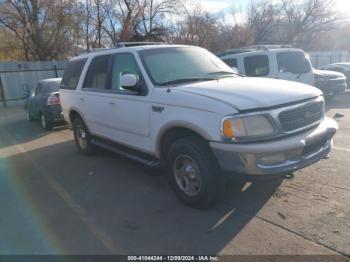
300	117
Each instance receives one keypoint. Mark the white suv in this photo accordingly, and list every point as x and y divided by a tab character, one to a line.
183	106
271	61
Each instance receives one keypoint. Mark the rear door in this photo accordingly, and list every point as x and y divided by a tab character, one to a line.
294	66
94	98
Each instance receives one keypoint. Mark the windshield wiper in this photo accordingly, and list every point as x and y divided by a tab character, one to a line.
187	80
225	73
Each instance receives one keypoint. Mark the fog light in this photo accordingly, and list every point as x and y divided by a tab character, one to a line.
275	159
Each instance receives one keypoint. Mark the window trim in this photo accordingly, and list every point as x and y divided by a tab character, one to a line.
108	87
84	60
144	87
108	80
268	60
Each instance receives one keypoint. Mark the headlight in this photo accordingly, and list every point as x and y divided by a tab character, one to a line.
245	127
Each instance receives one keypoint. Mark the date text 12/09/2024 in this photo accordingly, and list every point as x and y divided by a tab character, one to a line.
173	258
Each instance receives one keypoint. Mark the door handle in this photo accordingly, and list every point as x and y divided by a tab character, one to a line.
111	103
82	99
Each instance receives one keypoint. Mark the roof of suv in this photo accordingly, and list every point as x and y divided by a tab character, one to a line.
258	49
121	49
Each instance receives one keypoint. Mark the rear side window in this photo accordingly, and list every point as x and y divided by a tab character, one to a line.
97	75
72	74
231	62
257	65
293	62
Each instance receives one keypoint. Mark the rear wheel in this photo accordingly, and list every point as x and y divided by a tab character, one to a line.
194	173
82	137
47	125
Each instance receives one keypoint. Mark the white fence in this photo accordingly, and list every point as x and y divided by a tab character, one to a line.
319	59
18	77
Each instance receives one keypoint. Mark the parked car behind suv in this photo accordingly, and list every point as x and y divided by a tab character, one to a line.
44	103
181	106
331	83
343	68
271	61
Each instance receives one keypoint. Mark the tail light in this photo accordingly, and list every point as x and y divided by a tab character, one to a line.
53	99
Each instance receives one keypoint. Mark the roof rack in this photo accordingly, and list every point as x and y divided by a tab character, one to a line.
252	48
130	44
120	45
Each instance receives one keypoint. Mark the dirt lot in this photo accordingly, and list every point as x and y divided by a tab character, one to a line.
56	201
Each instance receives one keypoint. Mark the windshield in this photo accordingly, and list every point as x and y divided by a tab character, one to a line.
295	62
176	65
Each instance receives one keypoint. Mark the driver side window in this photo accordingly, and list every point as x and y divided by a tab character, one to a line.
124	63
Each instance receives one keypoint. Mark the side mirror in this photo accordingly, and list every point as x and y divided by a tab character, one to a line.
130	82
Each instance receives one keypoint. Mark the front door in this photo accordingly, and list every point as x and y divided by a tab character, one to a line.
130	120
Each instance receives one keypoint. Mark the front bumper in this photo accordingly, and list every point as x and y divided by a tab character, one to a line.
277	157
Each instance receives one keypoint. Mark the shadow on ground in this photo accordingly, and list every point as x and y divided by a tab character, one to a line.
138	211
22	131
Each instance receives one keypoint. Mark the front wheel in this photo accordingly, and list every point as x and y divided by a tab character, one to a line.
194	173
82	137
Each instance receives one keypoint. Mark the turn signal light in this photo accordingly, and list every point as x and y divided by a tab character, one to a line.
228	129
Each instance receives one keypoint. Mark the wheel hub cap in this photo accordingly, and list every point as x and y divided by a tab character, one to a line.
187	175
81	137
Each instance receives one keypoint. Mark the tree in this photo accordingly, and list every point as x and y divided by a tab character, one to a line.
304	21
291	22
263	21
42	28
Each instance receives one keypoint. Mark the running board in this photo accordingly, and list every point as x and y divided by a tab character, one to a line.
134	155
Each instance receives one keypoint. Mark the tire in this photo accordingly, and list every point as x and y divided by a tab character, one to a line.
82	137
47	125
28	116
191	162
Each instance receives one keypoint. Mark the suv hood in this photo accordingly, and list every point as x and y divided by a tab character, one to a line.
245	93
328	74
